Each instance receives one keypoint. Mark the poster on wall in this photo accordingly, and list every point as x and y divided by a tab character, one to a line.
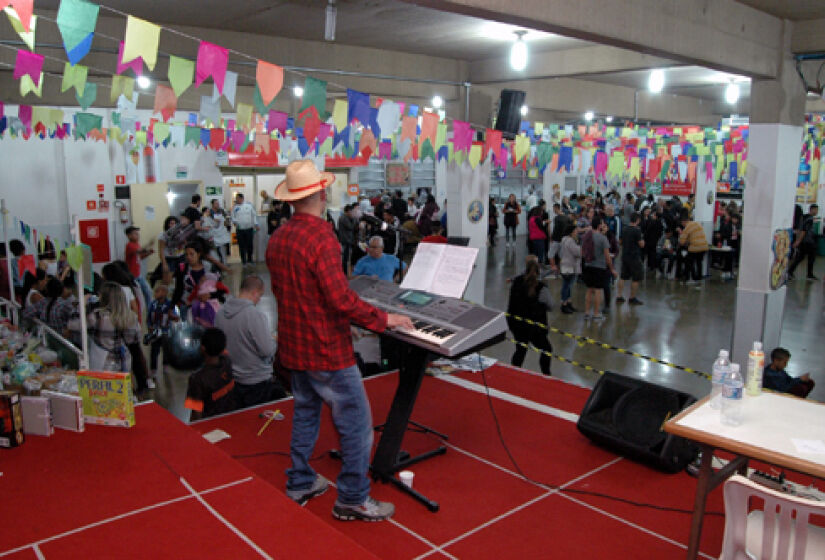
805	190
398	175
781	248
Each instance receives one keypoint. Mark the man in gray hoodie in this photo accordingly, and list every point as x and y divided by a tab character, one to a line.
250	345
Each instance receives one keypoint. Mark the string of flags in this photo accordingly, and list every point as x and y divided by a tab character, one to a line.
41	243
358	126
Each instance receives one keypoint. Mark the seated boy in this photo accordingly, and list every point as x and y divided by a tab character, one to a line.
211	388
777	379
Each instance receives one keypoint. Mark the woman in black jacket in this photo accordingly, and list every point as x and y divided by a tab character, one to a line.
529	299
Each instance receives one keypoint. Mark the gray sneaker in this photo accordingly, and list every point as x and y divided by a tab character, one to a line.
370	510
303	496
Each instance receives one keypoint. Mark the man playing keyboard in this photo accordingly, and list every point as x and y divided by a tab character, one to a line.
315	309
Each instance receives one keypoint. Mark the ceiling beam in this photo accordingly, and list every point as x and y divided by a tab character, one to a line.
597	59
808	36
720	34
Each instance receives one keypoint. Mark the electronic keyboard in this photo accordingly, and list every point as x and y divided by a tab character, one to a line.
443	325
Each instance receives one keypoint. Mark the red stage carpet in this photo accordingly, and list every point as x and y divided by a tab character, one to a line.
157	490
487	509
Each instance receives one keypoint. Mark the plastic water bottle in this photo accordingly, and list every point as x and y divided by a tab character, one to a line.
720	369
756	365
732	397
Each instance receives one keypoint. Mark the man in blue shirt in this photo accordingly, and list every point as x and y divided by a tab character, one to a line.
376	263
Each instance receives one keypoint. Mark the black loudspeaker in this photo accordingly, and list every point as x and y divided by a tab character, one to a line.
626	416
508	119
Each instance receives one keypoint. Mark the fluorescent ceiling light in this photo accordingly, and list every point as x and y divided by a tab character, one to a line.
518	53
656	81
523	110
298	91
588	116
732	93
438	101
143	82
329	27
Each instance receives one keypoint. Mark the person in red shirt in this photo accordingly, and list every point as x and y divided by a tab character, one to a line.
315	309
435	236
134	253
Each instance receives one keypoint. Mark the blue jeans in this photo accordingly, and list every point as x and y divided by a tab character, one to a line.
144	287
567	281
343	391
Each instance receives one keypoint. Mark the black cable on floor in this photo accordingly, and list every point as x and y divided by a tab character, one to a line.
570	490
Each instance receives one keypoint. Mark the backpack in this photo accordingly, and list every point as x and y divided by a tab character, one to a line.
588	248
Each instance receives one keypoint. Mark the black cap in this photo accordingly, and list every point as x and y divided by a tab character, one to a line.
130	229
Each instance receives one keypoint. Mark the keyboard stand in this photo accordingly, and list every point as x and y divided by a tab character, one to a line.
386	461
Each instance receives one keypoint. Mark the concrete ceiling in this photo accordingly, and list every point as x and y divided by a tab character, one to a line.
789	9
693	81
383	24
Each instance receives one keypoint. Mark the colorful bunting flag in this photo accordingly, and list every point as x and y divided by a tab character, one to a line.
212	61
74	77
135	65
76	20
23	10
27	36
89	95
121	85
27	85
181	73
270	79
358	107
165	101
315	95
28	64
141	41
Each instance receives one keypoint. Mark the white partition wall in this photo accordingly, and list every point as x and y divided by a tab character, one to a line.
467	188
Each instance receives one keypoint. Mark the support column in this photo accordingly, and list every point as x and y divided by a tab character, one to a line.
775	142
465	187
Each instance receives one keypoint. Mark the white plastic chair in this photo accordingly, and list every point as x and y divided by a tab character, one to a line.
789	537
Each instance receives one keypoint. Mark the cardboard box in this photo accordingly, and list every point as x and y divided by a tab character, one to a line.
107	398
11	420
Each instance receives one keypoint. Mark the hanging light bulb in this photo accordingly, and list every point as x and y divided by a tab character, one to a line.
518	52
608	119
438	101
298	91
329	27
732	93
588	116
143	82
523	110
656	82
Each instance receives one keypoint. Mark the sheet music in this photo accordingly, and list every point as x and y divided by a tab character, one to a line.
441	269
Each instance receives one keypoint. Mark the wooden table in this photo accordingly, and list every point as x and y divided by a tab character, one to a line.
770	422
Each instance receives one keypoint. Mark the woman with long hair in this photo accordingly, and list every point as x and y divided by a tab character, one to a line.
511	211
113	328
530	299
33	286
427	215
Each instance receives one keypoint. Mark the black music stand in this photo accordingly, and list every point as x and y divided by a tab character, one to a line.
387	461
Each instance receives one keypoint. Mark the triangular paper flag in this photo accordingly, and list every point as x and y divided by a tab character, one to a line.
23	9
315	95
339	114
141	41
76	20
244	116
161	131
88	97
270	78
135	65
230	86
181	73
124	85
27	85
212	61
85	122
165	101
28	64
210	109
74	77
25	36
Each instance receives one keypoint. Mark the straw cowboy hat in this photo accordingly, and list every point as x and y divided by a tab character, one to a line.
302	180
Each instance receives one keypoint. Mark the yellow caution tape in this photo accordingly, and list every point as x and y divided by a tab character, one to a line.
582	340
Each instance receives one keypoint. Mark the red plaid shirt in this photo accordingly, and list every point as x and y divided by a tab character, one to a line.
315	303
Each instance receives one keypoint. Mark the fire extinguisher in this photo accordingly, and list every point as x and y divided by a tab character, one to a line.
123	213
